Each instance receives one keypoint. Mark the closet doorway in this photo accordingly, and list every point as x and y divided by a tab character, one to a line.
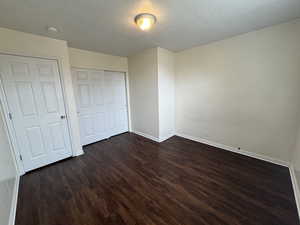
101	103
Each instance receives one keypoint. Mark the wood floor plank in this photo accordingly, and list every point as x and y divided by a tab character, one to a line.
131	180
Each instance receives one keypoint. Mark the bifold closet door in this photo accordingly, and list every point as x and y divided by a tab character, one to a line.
101	104
35	100
89	91
116	102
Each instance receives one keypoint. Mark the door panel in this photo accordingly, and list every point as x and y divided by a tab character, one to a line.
19	69
84	95
26	98
117	102
44	69
36	144
50	97
57	136
98	121
99	96
89	91
87	125
82	75
34	95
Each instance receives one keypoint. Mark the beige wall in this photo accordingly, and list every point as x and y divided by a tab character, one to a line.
93	60
7	199
166	90
143	89
243	92
295	156
8	174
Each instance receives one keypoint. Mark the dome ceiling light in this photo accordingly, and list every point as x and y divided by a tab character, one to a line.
145	21
52	29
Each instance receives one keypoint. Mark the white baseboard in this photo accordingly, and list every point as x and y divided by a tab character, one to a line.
78	153
242	152
214	144
161	139
295	187
12	216
13	209
146	136
236	150
257	156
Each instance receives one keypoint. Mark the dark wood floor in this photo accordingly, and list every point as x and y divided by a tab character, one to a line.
131	180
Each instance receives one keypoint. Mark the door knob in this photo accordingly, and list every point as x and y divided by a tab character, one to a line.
63	117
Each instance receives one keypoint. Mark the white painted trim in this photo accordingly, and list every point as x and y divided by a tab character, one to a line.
128	102
236	150
78	153
22	54
13	208
295	187
250	154
75	152
146	136
161	139
221	146
10	131
99	69
9	124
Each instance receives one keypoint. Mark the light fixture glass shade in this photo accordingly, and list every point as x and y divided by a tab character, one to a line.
145	21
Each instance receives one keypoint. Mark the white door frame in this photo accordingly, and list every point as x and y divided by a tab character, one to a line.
126	87
9	123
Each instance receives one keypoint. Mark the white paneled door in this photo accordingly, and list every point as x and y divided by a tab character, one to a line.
35	100
116	102
101	104
89	92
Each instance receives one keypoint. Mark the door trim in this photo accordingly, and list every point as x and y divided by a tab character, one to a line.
126	87
9	123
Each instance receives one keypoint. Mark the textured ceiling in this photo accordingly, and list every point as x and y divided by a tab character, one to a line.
107	25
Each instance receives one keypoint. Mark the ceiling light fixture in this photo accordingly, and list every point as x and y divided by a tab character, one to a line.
52	29
145	21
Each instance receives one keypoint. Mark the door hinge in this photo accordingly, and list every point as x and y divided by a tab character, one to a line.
21	158
10	116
